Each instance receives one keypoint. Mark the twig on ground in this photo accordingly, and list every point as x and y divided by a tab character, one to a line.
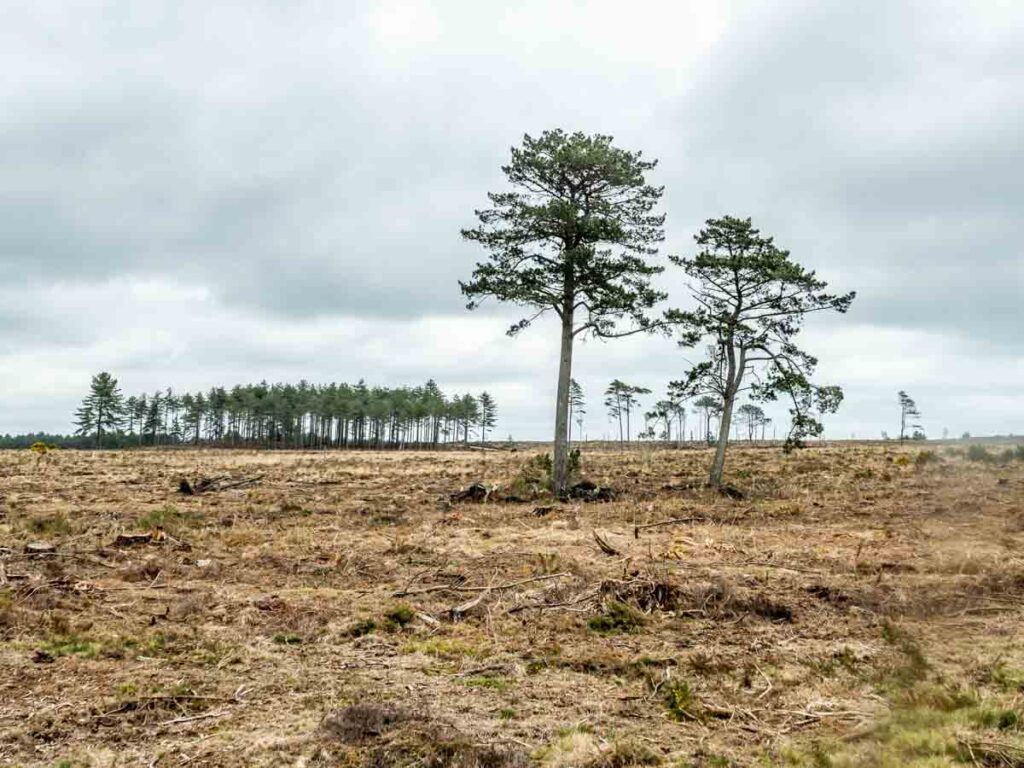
204	716
589	595
768	688
458	612
673	521
450	588
607	548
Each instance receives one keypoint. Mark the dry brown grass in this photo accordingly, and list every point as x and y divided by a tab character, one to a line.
264	627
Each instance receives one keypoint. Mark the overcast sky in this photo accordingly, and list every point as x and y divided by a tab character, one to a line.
197	194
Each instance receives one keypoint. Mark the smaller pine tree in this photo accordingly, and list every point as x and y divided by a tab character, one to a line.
154	421
488	414
102	410
577	408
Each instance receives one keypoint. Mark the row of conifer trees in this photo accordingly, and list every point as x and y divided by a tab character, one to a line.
286	416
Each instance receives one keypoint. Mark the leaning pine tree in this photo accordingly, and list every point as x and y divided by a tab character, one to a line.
908	413
574	236
577	408
751	301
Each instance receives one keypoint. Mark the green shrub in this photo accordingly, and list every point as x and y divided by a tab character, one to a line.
626	754
169	518
72	645
49	525
913	666
399	616
682	702
363	627
997	717
535	475
617	617
979	453
486	681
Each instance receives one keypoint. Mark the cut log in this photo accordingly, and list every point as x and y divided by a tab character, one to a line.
132	539
40	548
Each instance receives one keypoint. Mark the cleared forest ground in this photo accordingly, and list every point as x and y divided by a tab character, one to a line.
861	606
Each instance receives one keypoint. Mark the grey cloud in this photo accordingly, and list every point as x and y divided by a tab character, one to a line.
882	146
300	169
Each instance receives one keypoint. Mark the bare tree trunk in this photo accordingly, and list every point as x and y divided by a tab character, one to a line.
559	479
718	466
734	375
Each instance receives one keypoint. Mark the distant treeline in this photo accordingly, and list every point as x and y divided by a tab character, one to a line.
283	416
61	441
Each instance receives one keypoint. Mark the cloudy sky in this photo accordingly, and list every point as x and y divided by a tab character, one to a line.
200	193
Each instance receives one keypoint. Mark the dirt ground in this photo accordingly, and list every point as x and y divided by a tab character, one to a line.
860	606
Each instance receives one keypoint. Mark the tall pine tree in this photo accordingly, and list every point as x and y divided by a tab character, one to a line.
574	236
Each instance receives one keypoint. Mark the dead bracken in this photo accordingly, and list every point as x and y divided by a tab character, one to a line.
334	613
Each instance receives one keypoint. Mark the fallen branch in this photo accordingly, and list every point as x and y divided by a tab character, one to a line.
607	548
458	612
673	521
204	716
690	486
136	704
450	588
241	483
84	557
211	484
766	564
131	539
476	492
585	597
991	752
814	717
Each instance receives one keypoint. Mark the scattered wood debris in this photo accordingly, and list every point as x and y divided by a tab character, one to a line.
732	492
459	612
359	722
40	548
212	484
475	492
607	548
132	539
587	490
454	588
690	485
673	521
